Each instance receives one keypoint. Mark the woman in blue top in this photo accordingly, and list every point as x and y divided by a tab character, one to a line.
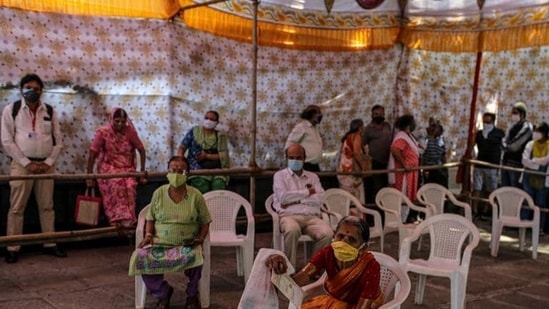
206	148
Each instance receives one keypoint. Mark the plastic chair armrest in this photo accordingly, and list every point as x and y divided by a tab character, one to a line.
371	212
325	210
427	210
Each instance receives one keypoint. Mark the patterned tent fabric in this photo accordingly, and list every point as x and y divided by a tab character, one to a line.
167	84
167	75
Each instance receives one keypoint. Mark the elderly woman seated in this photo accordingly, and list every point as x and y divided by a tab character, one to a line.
353	274
176	225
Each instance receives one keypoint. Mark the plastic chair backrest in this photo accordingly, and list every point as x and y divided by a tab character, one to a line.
224	206
390	200
509	200
448	233
341	200
435	196
391	274
338	201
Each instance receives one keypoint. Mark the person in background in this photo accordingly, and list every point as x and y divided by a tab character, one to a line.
353	274
176	225
405	152
435	154
114	146
31	137
377	138
206	149
536	158
351	146
298	196
485	179
306	134
517	136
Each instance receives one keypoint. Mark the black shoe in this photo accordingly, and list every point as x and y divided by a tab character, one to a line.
192	302
11	257
55	251
164	303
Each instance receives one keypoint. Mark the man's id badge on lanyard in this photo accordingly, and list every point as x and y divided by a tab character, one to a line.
33	136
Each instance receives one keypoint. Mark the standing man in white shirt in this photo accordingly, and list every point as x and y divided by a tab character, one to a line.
32	139
306	134
298	196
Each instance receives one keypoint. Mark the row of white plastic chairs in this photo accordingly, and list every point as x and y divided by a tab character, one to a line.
453	231
224	207
506	203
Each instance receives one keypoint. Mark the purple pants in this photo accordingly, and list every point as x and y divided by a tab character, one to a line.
159	288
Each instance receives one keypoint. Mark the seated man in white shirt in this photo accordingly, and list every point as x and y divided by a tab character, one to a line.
298	196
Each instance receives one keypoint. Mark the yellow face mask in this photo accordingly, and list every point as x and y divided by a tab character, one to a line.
345	252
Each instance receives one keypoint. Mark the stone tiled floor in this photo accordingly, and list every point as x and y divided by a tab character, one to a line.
95	276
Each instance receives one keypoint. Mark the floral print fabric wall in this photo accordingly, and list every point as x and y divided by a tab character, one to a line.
167	76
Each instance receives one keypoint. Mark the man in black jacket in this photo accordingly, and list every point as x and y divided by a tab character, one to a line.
518	135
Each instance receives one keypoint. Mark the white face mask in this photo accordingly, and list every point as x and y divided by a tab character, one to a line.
487	127
536	136
515	118
209	124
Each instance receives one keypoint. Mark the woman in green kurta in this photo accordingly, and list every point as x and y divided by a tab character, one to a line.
176	225
206	148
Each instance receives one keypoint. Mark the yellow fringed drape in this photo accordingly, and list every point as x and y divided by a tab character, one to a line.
475	41
304	37
161	9
442	41
514	38
286	36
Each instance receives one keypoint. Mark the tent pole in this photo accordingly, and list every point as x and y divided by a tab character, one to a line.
253	121
466	180
464	171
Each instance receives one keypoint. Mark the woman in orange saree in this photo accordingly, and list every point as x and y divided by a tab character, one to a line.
353	274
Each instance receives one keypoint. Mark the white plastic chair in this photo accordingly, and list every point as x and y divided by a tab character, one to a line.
448	258
435	195
224	206
506	204
393	278
278	238
339	201
390	200
204	284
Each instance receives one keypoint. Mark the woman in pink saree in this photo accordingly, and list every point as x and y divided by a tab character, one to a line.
114	147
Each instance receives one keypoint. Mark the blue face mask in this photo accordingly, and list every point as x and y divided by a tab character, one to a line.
295	165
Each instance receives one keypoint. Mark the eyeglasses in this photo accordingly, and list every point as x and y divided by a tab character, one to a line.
210	118
178	171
